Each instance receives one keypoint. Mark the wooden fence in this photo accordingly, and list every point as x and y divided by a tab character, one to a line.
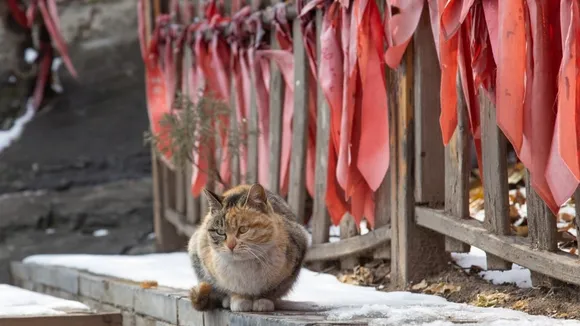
422	206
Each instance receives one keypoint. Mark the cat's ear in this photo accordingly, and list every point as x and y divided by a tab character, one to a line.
257	198
214	200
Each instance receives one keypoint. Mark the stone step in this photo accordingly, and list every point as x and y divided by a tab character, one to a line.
148	306
21	307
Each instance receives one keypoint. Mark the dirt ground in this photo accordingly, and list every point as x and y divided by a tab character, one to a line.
466	286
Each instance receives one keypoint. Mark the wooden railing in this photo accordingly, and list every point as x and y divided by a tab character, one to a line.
422	210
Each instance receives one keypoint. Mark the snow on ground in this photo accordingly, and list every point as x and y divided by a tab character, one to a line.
19	302
12	134
518	275
344	301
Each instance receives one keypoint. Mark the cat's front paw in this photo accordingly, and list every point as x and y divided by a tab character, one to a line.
263	305
226	302
240	304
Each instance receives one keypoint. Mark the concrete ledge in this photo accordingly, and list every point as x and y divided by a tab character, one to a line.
147	307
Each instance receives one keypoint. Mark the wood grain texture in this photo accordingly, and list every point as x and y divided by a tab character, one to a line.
495	178
348	229
320	216
166	237
352	246
559	265
409	263
192	203
254	128
577	217
457	169
429	149
276	112
297	182
542	229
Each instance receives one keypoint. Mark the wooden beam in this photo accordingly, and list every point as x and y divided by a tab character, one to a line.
559	265
177	221
457	169
495	178
320	216
542	228
97	319
429	149
408	264
348	247
297	182
276	113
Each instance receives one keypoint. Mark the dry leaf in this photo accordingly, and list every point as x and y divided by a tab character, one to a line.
420	286
490	299
441	288
520	305
148	284
516	173
566	217
573	251
521	231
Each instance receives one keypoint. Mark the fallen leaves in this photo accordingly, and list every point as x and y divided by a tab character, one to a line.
372	274
440	288
148	284
518	209
487	300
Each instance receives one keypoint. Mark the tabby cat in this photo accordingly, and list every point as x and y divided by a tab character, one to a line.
248	251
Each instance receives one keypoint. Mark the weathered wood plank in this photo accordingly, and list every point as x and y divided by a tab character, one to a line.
98	319
512	248
348	247
348	229
192	211
457	169
165	233
409	264
297	182
577	218
320	217
495	179
177	220
429	149
542	229
234	138
382	195
276	113
254	131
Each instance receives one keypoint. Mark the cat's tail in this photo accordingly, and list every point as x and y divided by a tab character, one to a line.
200	296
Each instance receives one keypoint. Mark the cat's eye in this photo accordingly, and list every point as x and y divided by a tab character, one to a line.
243	229
219	232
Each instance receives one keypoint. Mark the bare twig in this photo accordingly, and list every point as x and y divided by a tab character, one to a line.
191	127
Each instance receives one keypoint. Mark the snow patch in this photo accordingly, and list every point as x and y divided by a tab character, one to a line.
101	233
20	302
12	134
344	301
518	275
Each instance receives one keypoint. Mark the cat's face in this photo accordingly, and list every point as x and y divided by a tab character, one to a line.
240	227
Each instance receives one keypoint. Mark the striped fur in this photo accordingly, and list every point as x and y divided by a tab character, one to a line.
265	262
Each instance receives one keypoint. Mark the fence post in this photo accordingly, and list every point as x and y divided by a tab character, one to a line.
495	179
297	182
542	229
409	241
276	113
320	217
457	168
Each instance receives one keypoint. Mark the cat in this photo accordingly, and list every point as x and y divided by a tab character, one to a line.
247	252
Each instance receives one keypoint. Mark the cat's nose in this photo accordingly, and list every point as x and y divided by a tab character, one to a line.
231	243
